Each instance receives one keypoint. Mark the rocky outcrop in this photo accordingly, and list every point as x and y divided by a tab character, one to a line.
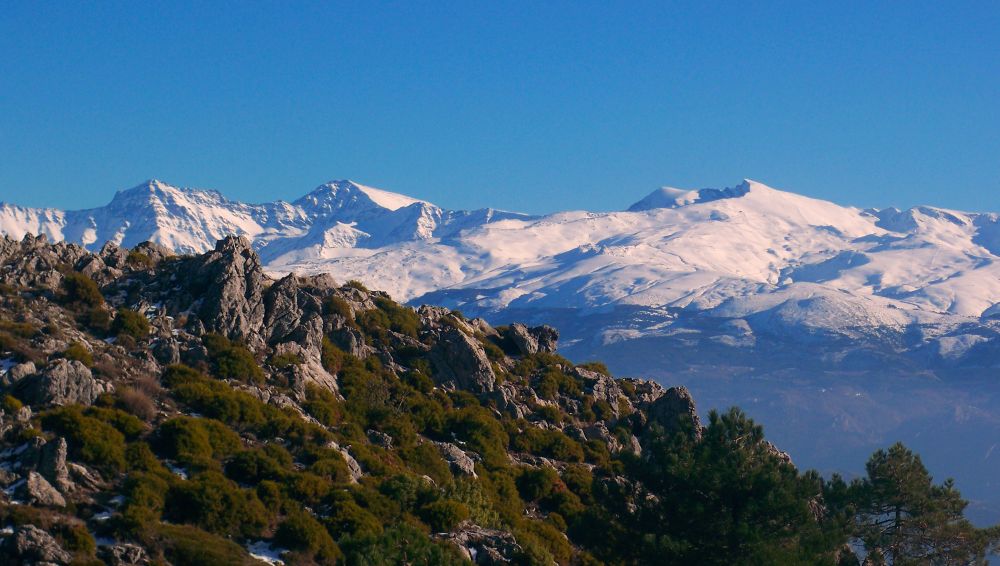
460	361
483	546
36	490
31	545
458	460
17	373
52	465
65	382
675	411
533	340
124	554
230	282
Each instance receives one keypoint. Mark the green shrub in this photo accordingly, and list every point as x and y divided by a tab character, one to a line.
253	466
78	289
216	504
286	360
443	515
130	426
184	544
338	306
231	360
333	468
77	539
196	442
300	531
130	323
546	442
79	352
323	405
215	399
138	260
400	544
537	483
347	518
483	433
145	495
355	284
470	493
11	405
89	439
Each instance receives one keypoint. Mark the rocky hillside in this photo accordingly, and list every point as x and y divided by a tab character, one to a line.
193	410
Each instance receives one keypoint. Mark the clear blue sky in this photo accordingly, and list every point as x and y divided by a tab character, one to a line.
533	106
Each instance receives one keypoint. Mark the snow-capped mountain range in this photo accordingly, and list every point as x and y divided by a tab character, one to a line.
735	267
850	328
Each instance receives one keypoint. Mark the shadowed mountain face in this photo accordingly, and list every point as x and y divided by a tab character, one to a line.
862	326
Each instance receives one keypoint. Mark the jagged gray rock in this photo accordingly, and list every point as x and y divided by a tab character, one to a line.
602	387
65	382
124	554
18	372
31	545
457	458
483	546
36	490
52	465
674	410
546	337
525	342
231	281
461	361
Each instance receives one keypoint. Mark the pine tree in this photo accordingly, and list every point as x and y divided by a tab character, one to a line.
904	518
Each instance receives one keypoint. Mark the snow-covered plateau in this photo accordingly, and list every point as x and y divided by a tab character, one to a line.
861	325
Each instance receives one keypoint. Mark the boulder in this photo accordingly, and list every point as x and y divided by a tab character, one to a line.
52	465
31	545
460	361
17	373
484	546
458	460
65	382
522	338
36	490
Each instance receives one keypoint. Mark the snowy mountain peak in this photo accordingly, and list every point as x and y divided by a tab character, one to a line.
349	196
671	197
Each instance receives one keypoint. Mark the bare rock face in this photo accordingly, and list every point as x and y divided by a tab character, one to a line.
124	554
602	387
460	462
533	340
52	465
461	360
18	372
485	546
38	491
65	382
33	262
31	545
231	279
522	338
674	410
547	337
353	467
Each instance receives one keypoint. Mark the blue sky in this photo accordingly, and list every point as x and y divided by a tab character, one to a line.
529	106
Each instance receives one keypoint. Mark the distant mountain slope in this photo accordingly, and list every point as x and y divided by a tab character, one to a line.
748	268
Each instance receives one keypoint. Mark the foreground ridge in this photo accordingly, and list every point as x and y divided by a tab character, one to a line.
194	410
